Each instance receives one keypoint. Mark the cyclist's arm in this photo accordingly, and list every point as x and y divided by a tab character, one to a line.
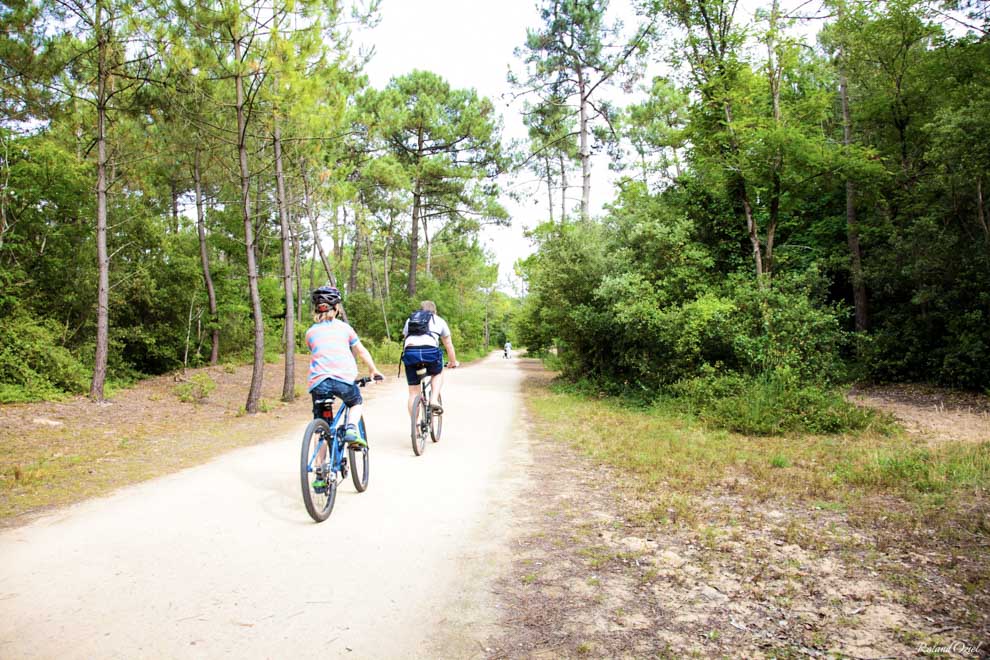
451	353
360	351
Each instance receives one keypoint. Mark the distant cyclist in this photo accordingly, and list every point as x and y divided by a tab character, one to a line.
507	350
423	332
333	345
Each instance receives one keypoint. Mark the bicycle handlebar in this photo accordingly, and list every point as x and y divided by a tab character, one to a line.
361	382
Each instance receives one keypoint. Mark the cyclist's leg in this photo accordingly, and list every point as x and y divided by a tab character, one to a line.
413	391
410	360
323	390
350	396
437	386
435	369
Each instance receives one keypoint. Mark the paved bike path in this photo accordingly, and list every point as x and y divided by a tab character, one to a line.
222	560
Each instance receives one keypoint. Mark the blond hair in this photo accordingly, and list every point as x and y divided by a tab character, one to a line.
329	315
429	306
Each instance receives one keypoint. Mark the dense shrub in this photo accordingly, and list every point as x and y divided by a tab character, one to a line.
384	351
33	363
772	404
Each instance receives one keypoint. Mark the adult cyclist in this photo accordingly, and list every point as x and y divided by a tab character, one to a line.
333	345
424	331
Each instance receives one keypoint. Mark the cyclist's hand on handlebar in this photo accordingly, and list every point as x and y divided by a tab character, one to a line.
454	364
377	375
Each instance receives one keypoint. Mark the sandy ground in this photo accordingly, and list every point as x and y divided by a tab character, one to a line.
932	413
222	560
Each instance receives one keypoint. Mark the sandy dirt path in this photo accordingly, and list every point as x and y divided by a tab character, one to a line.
222	560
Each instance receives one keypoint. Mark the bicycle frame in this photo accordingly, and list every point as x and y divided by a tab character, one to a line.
426	386
336	448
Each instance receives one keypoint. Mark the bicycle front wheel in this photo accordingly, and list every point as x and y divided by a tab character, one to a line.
436	422
418	425
359	461
319	484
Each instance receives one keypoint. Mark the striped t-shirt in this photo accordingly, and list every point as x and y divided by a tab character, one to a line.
330	345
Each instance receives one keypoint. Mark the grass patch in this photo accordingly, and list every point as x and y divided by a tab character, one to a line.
774	404
940	469
675	453
196	389
780	461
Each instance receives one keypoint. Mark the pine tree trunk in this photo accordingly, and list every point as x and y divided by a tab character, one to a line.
312	271
371	267
338	236
753	230
175	206
297	270
563	190
429	248
374	285
546	162
102	258
258	370
355	260
585	151
385	259
313	227
289	382
414	233
204	258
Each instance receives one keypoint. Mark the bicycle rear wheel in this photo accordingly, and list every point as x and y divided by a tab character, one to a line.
418	425
359	461
436	422
319	485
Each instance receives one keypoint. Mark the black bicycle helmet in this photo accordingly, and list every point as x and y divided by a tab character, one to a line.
325	298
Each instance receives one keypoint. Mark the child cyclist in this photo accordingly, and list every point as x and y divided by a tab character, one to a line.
333	344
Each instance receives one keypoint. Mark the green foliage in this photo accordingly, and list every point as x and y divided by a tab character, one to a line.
772	404
34	364
197	389
634	303
385	351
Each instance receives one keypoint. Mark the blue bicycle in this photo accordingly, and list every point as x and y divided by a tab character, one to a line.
323	464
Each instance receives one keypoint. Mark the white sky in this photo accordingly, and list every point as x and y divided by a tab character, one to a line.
470	44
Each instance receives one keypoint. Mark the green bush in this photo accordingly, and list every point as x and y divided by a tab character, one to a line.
33	363
787	327
772	404
196	389
384	351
